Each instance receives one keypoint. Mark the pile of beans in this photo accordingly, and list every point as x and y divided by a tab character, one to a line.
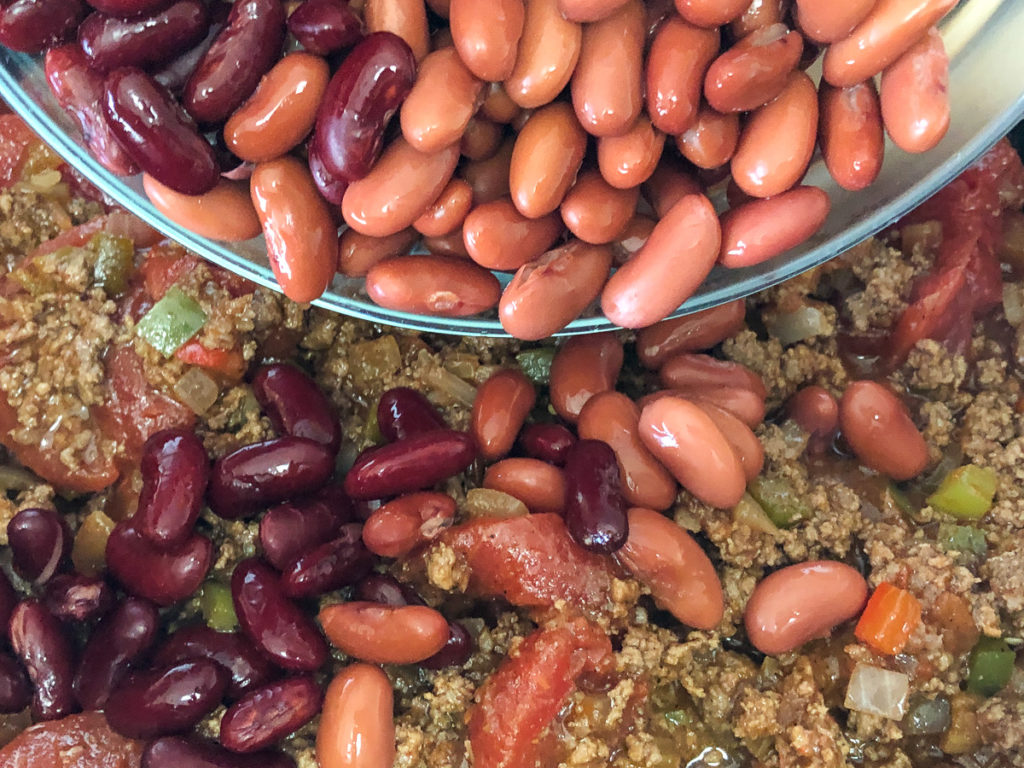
531	134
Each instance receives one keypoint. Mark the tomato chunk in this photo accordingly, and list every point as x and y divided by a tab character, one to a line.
77	741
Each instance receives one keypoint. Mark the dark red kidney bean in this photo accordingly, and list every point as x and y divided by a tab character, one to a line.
295	527
403	412
413	464
384	589
456	651
228	73
76	598
40	542
547	442
182	752
330	187
248	667
178	70
360	101
166	701
8	599
595	507
120	640
325	26
266	715
79	90
295	405
128	8
175	471
261	474
278	626
41	644
165	577
157	134
110	42
33	26
328	567
15	688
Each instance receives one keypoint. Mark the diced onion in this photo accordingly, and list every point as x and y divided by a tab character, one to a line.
802	323
486	502
197	390
447	383
877	691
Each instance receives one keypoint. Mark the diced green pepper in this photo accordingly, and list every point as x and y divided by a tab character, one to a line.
990	666
172	321
677	718
373	433
779	500
536	364
114	258
217	608
966	493
962	538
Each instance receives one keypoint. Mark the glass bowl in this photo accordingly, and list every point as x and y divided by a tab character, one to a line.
986	85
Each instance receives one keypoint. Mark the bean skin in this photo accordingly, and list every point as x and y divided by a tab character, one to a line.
433	285
357	728
596	212
163	577
295	405
15	688
443	99
802	602
548	51
669	184
628	160
711	141
710	13
405	18
695	370
546	158
759	14
411	464
497	236
180	751
405	412
763	229
816	411
915	95
741	437
383	634
500	409
742	402
294	527
325	26
42	645
548	442
448	212
397	527
489	178
32	26
880	431
595	507
754	71
850	133
357	253
539	485
676	64
329	566
175	470
266	715
481	139
828	22
224	213
589	10
249	667
583	367
147	41
498	106
486	35
691	333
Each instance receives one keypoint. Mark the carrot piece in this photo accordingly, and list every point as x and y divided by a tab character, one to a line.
890	617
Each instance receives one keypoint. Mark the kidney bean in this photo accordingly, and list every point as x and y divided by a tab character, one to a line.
266	715
667	560
802	602
164	577
595	507
166	701
759	14
667	186
449	245
179	751
711	141
434	285
777	142
628	160
75	598
325	26
8	599
915	95
79	91
817	413
403	412
110	42
15	688
301	235
498	236
701	330
291	528
880	431
711	13
550	292
612	418
740	436
498	106
486	35
384	634
224	213
490	178
632	238
33	26
676	64
379	588
685	243
742	402
331	188
279	627
411	464
397	527
762	229
295	405
547	442
582	367
128	8
361	98
828	22
156	134
40	543
481	139
499	411
595	211
889	29
448	212
539	485
694	370
249	669
175	470
405	18
328	567
120	640
443	99
357	728
455	652
359	252
589	10
178	70
685	439
547	155
241	54
548	51
399	189
754	71
44	648
281	111
850	133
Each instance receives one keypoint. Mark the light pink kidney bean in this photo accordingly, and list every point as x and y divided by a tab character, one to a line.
880	431
915	95
817	413
740	436
498	236
711	13
802	602
676	64
684	244
695	370
434	285
692	333
405	18
448	212
686	440
548	51
667	186
589	10
595	211
584	366
743	403
500	409
827	21
443	99
711	141
539	485
395	528
486	34
667	560
850	133
754	71
628	160
762	229
224	213
385	634
357	726
545	160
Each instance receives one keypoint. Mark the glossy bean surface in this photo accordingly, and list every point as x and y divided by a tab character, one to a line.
224	213
289	529
915	95
878	427
335	564
850	133
46	651
443	99
175	470
547	442
405	18
120	640
536	483
546	57
405	412
32	26
762	229
817	412
247	666
411	464
179	751
447	213
455	652
486	34
15	688
295	405
325	26
400	525
499	411
828	22
628	160
584	366
357	728
711	141
690	333
678	60
162	576
40	543
382	634
739	435
266	715
489	178
110	42
710	13
433	285
75	598
595	507
547	156
357	252
497	236
596	212
754	71
589	10
700	370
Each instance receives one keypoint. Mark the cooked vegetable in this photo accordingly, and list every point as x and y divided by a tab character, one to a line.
990	666
114	258
171	322
779	500
926	716
877	691
536	363
889	619
217	608
751	514
197	390
485	502
966	493
962	538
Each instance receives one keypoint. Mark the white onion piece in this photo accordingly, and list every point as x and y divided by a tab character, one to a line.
197	390
878	691
802	323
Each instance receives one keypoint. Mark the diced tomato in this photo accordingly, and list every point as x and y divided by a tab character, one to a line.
517	705
927	315
77	741
164	266
532	562
117	222
15	140
229	363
